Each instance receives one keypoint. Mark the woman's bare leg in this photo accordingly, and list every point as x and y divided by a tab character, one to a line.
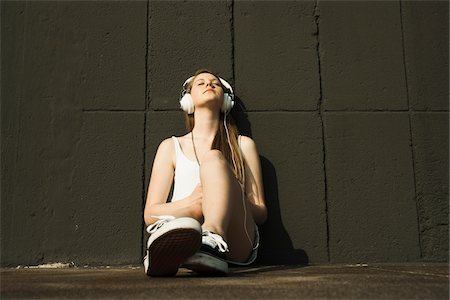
222	205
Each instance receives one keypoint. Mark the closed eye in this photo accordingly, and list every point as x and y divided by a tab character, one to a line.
216	84
201	82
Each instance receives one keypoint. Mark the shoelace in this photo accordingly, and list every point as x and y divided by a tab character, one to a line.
214	240
163	219
155	226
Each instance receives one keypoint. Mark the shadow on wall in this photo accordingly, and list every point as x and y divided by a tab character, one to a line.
276	246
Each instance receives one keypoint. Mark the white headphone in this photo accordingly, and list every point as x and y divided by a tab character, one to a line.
187	104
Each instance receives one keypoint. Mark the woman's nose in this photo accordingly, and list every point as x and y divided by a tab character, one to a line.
210	84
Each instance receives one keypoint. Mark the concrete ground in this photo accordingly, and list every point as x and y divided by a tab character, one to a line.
381	281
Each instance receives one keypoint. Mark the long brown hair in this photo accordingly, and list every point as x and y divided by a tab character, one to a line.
220	141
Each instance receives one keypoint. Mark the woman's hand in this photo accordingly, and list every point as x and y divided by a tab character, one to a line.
195	203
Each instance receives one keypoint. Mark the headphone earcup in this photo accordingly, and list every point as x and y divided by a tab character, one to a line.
187	104
228	103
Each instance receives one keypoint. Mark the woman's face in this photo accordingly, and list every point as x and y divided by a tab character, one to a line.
206	88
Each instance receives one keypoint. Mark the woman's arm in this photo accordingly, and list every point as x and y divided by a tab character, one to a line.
254	189
191	206
159	187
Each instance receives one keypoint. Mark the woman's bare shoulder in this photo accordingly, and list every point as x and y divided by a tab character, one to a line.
183	139
166	143
166	150
247	142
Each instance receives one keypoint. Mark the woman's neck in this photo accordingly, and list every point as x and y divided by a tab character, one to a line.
206	125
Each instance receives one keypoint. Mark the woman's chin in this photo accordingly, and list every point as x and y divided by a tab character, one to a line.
209	105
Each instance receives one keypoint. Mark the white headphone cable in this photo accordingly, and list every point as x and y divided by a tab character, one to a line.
242	185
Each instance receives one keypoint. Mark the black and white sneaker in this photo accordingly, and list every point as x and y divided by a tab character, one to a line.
210	260
170	243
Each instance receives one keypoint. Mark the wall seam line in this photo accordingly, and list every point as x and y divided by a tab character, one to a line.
144	145
320	110
112	110
270	111
410	111
232	44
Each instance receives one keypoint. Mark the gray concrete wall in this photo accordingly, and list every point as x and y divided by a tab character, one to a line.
347	101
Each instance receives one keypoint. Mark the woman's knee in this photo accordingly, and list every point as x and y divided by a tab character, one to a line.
213	161
213	156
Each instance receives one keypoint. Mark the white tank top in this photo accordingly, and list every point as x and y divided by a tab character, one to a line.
187	174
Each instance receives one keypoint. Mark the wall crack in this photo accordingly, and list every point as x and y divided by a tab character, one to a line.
416	196
320	110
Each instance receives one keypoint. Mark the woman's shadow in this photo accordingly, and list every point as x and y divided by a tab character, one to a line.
275	245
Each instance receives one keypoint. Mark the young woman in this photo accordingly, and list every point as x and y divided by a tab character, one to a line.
218	197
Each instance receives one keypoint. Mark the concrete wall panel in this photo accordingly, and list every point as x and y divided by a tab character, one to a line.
276	65
108	180
362	55
184	37
370	186
12	19
114	48
41	121
426	53
290	146
430	136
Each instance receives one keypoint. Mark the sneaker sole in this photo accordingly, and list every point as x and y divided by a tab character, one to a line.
206	264
169	250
